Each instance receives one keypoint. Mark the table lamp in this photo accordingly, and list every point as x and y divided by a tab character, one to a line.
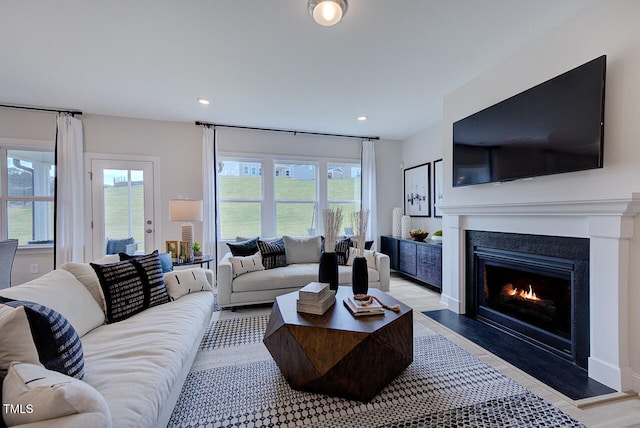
186	210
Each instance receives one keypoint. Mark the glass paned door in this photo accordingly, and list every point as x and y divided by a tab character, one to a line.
122	199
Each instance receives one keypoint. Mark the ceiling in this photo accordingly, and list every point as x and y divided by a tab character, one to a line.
262	63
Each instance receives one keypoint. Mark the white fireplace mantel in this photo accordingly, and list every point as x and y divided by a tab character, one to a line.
620	207
608	223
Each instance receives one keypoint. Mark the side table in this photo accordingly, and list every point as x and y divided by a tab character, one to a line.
198	261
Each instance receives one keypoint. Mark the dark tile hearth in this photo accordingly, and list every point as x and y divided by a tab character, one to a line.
559	374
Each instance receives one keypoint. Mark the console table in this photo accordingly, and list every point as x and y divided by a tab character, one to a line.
418	260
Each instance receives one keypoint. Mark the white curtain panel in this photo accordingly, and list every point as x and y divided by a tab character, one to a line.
369	187
69	239
209	190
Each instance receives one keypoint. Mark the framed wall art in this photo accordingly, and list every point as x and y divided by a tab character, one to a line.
437	186
417	190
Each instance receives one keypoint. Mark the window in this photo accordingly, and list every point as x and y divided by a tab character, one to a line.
240	201
343	189
27	195
290	201
296	197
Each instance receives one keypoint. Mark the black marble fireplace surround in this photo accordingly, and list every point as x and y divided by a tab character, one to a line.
503	270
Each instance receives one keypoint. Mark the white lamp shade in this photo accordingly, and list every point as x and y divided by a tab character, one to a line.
185	210
327	12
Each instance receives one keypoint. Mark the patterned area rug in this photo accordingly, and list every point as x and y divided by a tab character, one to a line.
234	382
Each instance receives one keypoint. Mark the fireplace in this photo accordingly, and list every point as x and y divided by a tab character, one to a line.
533	287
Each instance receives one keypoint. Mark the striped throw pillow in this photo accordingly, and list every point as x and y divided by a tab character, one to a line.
342	250
273	253
131	286
57	342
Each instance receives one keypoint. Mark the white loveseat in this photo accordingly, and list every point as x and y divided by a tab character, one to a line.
136	367
264	285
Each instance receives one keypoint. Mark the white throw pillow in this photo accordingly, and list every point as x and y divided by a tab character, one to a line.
87	276
302	249
62	292
368	254
246	264
43	394
16	342
183	282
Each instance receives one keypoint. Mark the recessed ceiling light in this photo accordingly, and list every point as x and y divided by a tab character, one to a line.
327	12
203	101
362	118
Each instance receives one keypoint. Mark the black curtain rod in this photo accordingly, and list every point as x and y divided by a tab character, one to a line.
53	110
214	125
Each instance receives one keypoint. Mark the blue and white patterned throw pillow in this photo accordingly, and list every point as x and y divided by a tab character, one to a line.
57	342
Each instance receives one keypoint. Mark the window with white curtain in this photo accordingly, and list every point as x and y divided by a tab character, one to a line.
27	195
240	197
344	190
288	199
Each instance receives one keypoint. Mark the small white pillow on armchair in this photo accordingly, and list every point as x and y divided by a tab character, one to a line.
44	394
246	264
368	254
182	282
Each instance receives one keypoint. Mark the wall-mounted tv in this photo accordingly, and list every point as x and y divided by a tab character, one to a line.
554	127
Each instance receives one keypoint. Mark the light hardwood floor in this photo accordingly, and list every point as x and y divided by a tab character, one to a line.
614	411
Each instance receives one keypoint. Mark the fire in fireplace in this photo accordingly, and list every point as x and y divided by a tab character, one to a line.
541	298
528	294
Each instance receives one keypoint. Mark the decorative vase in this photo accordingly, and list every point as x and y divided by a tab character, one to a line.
406	226
328	269
359	276
397	221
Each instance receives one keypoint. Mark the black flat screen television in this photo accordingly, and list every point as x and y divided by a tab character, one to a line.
554	127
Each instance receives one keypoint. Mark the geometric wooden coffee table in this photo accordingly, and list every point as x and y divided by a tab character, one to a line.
336	353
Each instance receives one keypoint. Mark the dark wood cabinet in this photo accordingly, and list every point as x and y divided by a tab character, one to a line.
389	246
421	261
407	263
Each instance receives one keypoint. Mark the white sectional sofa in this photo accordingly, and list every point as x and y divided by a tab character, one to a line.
264	285
134	369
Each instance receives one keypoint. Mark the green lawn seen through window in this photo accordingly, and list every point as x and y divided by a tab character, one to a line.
293	218
237	218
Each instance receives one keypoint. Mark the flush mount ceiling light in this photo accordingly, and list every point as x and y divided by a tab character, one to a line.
327	12
362	118
203	101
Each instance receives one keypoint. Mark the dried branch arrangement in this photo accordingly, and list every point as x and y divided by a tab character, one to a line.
360	220
332	220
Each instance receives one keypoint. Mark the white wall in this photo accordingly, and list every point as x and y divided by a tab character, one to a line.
424	147
389	181
610	28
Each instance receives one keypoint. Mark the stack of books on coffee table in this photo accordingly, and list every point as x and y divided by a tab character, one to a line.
358	309
315	298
